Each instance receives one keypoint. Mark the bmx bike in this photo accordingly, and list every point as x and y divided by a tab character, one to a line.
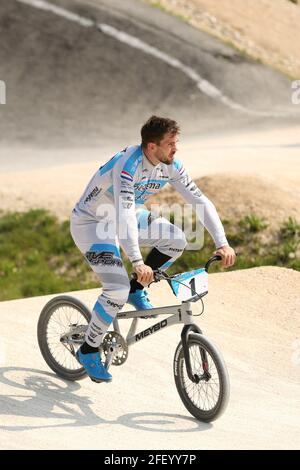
200	372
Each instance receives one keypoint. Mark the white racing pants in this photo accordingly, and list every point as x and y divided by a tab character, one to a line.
98	242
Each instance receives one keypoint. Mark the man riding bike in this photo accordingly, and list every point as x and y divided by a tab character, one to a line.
110	213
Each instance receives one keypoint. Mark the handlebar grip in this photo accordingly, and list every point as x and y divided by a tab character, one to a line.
211	261
156	276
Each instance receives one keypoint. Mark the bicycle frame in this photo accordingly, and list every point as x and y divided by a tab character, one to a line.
183	315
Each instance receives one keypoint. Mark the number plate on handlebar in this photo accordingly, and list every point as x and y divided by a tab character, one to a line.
190	284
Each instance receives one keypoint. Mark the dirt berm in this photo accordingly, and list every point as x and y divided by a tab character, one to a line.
69	85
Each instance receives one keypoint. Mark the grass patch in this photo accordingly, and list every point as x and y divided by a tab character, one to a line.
160	6
253	223
38	255
290	229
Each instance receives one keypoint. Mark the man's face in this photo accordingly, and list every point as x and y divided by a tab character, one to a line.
166	149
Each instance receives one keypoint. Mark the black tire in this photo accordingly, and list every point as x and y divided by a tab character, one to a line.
54	306
187	389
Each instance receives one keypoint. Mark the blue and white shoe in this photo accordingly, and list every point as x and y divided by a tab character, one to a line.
94	367
139	299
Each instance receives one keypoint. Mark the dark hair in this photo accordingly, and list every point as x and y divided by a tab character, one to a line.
155	129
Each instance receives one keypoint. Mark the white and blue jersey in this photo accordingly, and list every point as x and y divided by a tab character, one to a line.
127	180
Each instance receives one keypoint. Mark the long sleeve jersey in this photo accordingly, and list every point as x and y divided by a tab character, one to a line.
127	180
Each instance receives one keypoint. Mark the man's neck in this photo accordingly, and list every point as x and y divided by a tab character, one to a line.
151	159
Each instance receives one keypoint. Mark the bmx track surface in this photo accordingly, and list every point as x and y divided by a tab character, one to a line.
77	88
257	330
89	72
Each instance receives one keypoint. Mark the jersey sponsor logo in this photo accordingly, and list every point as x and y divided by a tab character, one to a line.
193	188
127	202
188	182
114	304
197	192
124	191
144	187
91	339
126	176
95	192
95	328
105	258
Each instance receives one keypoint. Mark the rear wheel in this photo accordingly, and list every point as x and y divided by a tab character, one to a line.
207	399
61	330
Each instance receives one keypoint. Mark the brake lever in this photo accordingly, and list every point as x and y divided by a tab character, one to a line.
158	276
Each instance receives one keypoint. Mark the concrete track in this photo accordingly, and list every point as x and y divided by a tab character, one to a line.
70	85
256	329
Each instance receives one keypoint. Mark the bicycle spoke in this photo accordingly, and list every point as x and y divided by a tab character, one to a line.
59	324
206	393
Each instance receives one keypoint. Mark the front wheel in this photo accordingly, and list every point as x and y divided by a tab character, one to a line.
208	398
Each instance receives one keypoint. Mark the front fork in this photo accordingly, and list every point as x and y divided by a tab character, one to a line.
186	330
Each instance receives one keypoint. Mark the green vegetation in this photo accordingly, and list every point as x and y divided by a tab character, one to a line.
253	223
290	230
254	247
38	255
160	6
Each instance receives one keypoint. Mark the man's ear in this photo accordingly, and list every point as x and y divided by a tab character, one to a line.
151	146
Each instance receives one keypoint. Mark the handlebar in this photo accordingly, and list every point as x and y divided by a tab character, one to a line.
159	275
212	260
